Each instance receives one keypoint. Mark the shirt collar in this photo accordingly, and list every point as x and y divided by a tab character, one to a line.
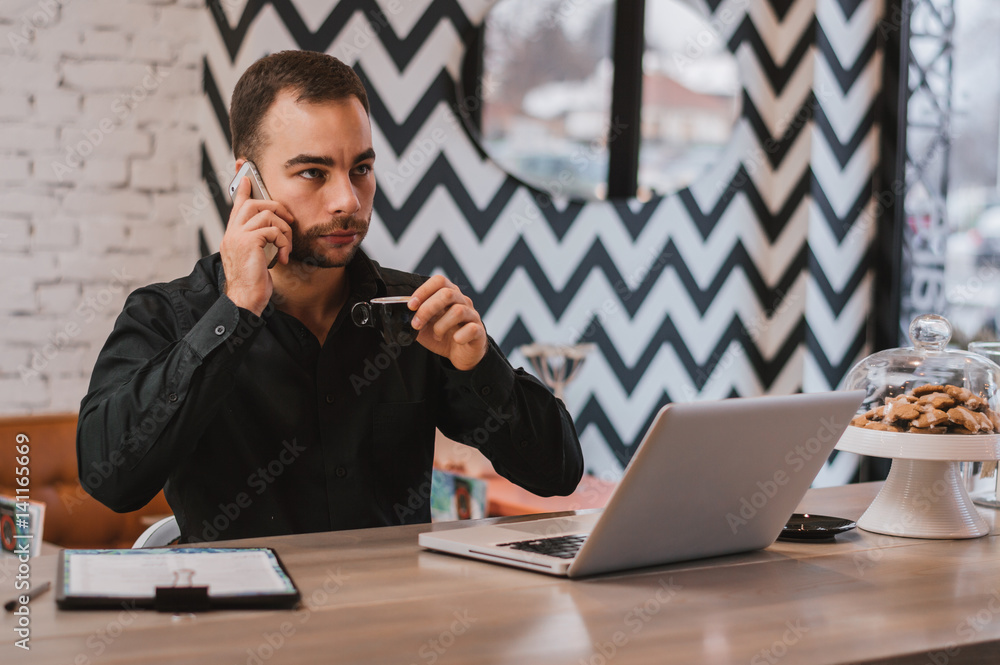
365	278
364	275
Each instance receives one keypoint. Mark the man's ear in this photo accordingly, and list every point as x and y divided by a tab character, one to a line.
239	164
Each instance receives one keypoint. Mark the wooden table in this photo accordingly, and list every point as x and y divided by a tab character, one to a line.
373	596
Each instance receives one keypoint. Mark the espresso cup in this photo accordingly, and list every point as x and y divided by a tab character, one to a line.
390	316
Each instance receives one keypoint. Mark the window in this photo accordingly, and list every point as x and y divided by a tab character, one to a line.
557	108
972	264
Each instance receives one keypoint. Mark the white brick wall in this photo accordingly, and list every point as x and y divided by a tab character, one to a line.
99	144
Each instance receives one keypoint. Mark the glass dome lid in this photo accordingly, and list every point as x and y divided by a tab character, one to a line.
927	388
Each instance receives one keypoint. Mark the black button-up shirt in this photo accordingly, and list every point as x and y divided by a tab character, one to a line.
253	428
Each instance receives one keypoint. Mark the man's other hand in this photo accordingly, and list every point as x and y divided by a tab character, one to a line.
447	323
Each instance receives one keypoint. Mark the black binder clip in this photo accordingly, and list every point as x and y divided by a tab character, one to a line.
182	596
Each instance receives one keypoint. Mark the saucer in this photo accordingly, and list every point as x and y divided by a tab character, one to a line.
814	527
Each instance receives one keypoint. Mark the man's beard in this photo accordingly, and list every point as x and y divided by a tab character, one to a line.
305	252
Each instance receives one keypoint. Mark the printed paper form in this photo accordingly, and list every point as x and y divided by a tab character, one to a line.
137	573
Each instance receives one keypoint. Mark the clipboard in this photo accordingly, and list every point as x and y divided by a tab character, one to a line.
174	579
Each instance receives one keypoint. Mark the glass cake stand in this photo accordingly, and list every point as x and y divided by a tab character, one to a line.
923	496
928	408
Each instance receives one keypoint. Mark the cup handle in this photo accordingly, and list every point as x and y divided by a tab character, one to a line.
361	314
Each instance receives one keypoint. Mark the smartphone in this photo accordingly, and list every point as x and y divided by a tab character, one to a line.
259	192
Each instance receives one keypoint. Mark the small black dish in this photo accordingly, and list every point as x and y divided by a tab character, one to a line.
814	527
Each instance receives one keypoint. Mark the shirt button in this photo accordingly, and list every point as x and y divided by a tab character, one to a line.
220	330
329	399
172	397
523	444
341	472
485	391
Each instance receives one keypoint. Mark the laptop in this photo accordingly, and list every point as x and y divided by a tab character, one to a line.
708	479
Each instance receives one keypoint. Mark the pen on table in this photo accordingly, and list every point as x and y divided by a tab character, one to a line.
33	593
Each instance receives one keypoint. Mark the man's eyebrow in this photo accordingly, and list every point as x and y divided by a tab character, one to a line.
326	161
308	159
366	155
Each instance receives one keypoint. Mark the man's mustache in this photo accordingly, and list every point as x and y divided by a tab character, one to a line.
352	223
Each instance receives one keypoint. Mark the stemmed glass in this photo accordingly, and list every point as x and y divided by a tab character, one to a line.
556	365
990	350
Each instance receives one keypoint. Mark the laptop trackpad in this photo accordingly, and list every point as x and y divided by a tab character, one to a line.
555	526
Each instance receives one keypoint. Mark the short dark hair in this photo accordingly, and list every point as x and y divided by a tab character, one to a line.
315	77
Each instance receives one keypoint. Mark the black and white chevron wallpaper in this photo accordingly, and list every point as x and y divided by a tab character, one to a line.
755	279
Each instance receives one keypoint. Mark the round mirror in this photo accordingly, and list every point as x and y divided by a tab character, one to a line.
546	89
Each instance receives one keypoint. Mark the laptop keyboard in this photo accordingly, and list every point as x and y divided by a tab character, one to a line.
564	547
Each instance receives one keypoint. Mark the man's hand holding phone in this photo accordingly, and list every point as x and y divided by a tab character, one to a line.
253	224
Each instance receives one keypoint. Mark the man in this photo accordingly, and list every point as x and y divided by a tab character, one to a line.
250	397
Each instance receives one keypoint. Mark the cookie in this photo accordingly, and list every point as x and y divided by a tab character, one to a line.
874	424
942	401
964	418
932	409
900	410
928	430
966	397
985	424
930	418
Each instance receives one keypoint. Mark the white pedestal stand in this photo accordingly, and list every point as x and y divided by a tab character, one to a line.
924	496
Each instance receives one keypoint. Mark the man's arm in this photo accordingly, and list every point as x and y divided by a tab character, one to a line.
157	382
508	414
153	390
515	421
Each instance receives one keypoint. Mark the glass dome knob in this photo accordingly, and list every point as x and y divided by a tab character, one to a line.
930	332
